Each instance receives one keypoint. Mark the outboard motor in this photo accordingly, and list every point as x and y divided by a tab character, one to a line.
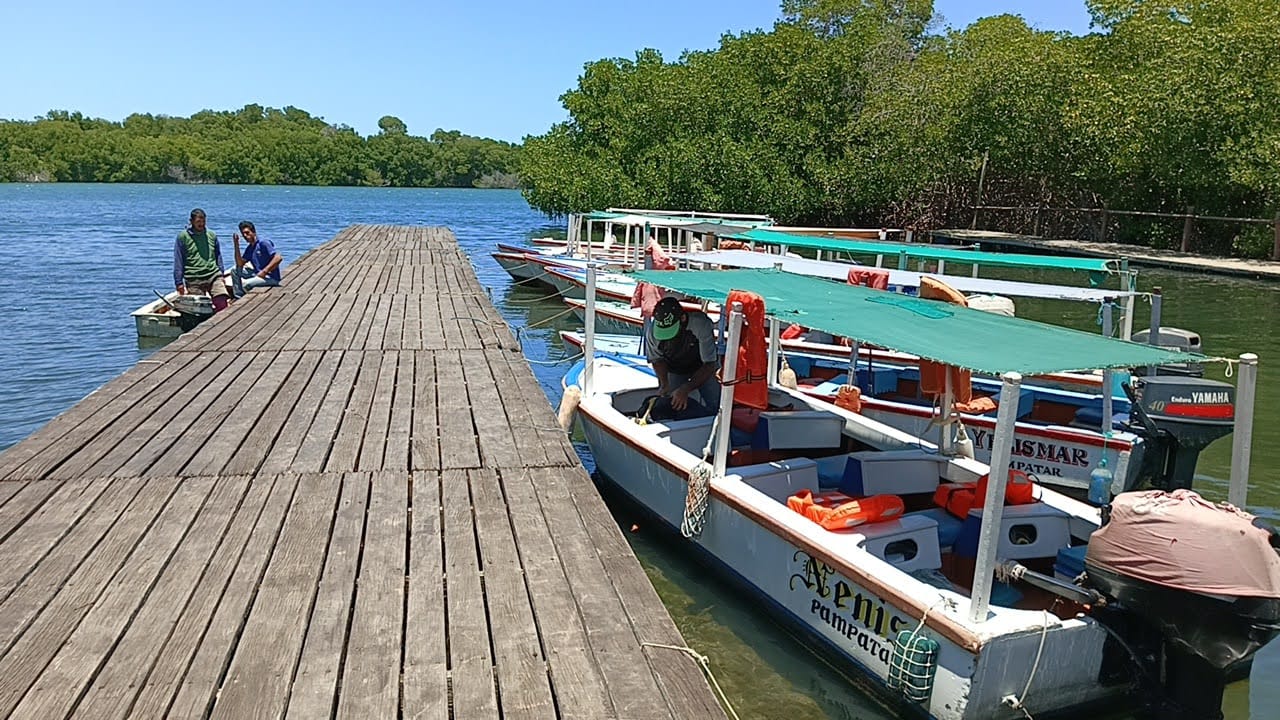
1195	586
1172	338
1178	417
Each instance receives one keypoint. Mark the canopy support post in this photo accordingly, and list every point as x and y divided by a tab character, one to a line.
726	394
1153	338
775	352
853	366
1107	332
1129	278
946	417
993	503
1242	439
589	332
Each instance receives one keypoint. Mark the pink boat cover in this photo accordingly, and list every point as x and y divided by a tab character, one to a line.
1180	540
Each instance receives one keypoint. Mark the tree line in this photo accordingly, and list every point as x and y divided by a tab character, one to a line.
253	145
860	112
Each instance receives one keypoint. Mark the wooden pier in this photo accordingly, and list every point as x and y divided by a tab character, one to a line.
344	497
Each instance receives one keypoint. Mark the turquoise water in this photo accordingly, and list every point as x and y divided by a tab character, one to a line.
80	258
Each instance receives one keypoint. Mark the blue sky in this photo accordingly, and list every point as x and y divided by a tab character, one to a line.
491	68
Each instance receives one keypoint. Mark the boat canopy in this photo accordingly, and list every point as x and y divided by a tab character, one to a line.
901	278
934	330
696	223
928	252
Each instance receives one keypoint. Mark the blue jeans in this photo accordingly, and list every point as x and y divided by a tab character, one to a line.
708	393
246	279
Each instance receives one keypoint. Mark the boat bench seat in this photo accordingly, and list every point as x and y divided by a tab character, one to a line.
795	429
1035	530
895	472
689	435
780	479
909	543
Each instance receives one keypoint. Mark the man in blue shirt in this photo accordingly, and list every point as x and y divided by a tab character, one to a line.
259	266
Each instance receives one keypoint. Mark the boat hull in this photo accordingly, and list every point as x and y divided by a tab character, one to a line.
853	616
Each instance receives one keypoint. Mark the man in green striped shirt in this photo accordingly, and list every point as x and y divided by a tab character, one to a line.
197	262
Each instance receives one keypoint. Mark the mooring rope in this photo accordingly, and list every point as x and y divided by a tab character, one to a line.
705	662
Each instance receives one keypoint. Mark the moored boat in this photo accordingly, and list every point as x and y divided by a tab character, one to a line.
958	615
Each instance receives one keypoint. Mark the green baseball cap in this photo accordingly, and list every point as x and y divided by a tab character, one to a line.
666	318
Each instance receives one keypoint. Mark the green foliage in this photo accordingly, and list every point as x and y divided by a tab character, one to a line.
253	145
853	112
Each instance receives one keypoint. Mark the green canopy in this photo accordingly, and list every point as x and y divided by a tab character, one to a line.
934	330
926	252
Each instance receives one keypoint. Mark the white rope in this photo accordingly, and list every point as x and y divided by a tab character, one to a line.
1020	703
705	662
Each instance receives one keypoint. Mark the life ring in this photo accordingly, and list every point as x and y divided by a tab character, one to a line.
933	375
751	381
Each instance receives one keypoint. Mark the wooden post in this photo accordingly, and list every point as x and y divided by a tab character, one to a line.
1035	227
1102	226
1275	249
1187	223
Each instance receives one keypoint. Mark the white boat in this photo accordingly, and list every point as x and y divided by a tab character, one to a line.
173	314
910	601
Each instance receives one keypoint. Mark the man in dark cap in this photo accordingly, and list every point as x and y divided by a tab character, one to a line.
681	346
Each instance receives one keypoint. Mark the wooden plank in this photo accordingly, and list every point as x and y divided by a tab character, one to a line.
493	429
95	410
114	688
679	675
48	578
344	455
315	686
315	447
174	444
393	339
426	663
411	330
371	676
266	432
614	645
22	504
187	670
149	421
261	672
27	657
470	661
374	440
424	442
28	544
458	442
57	690
532	449
378	321
396	456
523	684
246	399
298	417
575	677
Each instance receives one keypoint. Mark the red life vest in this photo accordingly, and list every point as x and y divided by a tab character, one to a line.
751	385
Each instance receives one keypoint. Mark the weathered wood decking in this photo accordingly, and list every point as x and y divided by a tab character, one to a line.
346	497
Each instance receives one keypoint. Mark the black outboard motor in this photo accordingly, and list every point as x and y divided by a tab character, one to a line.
1196	620
1178	417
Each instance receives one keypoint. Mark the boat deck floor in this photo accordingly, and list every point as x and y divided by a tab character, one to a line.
344	497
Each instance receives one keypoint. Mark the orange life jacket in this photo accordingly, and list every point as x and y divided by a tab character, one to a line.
835	511
751	384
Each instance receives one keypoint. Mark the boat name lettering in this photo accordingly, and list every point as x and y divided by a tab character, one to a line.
843	608
1038	450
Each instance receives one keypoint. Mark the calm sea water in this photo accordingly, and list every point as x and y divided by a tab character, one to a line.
80	258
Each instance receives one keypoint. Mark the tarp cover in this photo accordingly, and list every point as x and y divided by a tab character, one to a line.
927	252
1179	540
933	330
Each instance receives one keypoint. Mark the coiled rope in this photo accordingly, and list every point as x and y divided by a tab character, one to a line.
699	484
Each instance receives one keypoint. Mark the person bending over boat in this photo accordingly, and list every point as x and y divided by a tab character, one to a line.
197	262
259	266
681	346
